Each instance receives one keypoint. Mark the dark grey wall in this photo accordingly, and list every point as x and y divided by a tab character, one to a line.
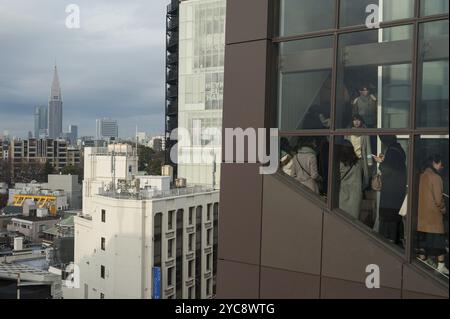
274	242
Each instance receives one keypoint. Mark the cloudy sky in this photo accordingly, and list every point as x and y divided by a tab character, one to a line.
113	66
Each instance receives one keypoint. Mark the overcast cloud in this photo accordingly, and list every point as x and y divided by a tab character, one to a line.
113	66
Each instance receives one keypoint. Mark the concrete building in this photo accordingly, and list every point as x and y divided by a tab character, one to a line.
40	122
55	109
65	187
200	89
72	135
142	239
32	227
4	149
107	129
40	151
34	283
158	143
279	239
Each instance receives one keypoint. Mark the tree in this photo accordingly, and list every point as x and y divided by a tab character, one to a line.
49	168
73	170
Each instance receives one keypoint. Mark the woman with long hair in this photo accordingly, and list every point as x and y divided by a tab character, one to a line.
350	173
363	149
393	188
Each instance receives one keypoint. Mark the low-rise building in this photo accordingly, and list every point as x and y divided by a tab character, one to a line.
32	227
138	238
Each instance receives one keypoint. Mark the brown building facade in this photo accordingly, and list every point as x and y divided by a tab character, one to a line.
309	69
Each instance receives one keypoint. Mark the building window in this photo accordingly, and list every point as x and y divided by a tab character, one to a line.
208	287
103	243
103	216
353	12
303	16
358	170
190	268
170	217
209	237
102	271
208	212
191	293
432	7
431	179
102	296
170	244
170	272
157	239
433	73
191	216
191	242
208	262
359	85
375	78
304	76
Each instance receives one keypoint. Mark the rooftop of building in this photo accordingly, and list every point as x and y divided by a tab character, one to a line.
156	194
35	218
28	273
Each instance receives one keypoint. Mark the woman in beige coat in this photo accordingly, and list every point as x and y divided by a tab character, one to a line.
430	225
305	165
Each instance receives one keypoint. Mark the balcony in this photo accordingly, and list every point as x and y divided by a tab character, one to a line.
172	108
172	93
172	58
173	7
172	41
172	24
172	76
172	123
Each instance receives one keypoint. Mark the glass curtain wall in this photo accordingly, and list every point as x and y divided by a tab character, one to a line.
363	117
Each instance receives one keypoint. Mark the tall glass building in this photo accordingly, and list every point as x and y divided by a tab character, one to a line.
200	89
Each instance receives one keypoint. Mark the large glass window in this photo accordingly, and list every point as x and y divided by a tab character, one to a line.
370	182
433	85
303	16
305	82
431	7
375	78
305	160
358	12
431	176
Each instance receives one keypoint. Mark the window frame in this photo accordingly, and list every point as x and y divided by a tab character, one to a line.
413	131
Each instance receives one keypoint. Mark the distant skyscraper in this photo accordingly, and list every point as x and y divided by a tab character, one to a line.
40	121
55	111
73	134
107	128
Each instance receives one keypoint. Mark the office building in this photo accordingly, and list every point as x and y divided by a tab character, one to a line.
72	135
200	89
40	121
297	67
55	109
138	238
107	129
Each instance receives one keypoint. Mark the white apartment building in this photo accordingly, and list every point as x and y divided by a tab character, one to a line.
139	238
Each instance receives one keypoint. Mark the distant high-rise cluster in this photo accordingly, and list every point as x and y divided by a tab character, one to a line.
107	129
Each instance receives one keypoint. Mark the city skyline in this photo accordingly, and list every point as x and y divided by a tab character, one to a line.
89	60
